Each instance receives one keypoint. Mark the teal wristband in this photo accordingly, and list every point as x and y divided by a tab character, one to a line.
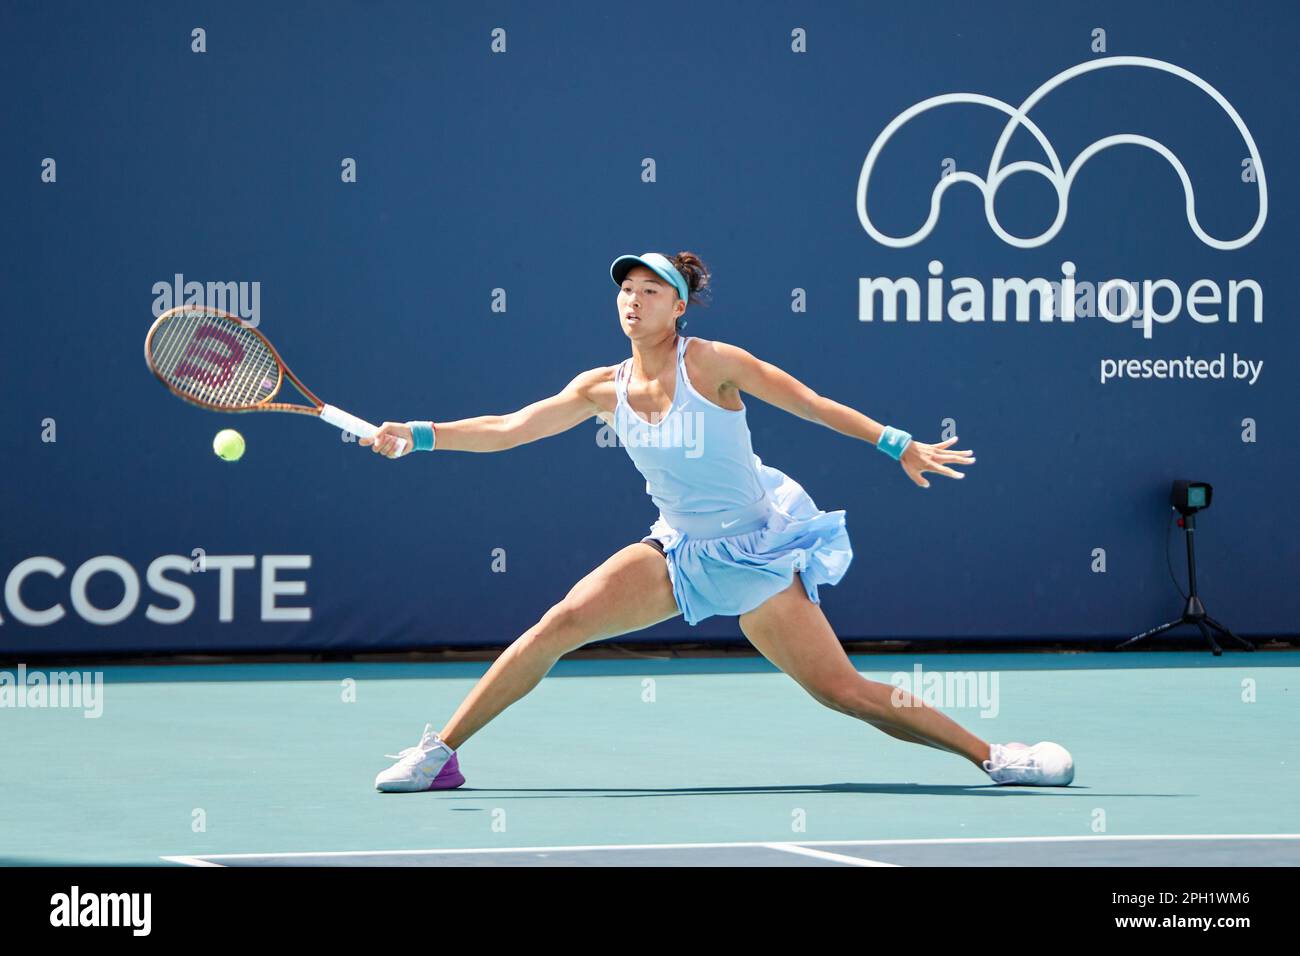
423	434
893	442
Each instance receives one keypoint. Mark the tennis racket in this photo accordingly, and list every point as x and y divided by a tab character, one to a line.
212	359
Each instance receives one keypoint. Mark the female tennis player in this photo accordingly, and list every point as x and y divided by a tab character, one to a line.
734	536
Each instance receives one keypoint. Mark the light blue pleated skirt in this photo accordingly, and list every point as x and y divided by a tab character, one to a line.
734	575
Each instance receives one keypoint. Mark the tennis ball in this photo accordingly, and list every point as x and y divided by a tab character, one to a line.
229	444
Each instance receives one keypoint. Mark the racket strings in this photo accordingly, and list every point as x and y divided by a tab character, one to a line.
245	384
168	343
212	359
186	366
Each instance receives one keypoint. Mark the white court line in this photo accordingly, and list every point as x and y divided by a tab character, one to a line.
823	855
1094	838
190	860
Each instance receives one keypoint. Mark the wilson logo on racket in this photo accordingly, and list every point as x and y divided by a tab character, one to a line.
214	360
220	366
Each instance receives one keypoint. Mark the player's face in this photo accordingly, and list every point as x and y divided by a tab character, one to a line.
647	305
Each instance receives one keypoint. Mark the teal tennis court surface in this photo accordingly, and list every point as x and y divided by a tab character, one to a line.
1182	760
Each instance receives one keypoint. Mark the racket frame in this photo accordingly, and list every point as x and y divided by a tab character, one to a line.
327	413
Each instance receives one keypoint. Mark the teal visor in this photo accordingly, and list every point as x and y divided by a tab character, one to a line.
657	264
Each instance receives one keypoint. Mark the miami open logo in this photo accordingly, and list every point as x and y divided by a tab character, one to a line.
1060	178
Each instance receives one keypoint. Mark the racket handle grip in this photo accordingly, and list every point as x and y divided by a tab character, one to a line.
350	423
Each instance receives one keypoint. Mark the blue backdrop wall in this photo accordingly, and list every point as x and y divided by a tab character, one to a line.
508	152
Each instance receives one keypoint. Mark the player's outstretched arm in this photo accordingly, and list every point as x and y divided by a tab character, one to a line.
569	407
766	382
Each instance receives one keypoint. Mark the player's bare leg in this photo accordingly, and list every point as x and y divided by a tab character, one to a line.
628	592
793	633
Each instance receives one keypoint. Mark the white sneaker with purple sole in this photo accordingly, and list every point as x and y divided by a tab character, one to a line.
429	765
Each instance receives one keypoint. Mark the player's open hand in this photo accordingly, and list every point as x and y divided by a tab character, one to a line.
919	458
385	440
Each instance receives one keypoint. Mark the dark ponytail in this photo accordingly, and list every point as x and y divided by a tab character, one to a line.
697	275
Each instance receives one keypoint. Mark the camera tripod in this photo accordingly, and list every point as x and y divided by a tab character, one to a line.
1194	611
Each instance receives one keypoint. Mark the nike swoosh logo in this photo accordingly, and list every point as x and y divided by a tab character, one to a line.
728	524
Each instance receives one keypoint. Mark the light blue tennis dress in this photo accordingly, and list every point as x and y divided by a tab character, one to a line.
733	529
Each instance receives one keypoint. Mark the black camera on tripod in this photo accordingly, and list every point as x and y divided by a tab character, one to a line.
1187	498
